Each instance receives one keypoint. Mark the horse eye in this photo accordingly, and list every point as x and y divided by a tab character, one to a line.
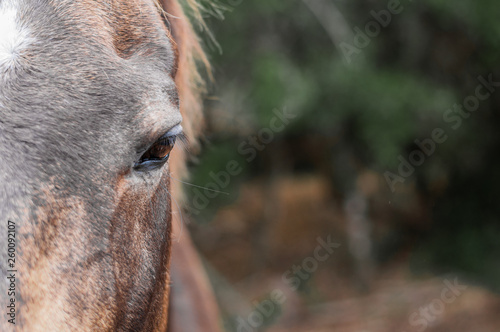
157	154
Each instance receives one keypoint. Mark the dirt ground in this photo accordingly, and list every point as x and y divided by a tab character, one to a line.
251	244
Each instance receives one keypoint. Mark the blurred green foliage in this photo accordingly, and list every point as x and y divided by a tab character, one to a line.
277	53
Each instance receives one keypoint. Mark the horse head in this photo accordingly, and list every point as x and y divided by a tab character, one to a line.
93	98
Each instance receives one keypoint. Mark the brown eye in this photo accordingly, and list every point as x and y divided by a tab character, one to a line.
160	150
157	154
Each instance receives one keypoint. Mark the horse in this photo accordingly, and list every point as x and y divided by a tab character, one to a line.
99	103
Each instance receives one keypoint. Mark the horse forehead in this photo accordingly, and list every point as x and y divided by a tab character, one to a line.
14	38
112	53
122	29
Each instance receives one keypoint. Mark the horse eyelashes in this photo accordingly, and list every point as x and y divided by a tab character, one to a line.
157	154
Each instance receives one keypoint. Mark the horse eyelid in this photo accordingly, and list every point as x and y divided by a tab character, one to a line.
148	161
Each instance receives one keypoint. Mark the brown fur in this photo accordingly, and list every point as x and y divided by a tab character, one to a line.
193	306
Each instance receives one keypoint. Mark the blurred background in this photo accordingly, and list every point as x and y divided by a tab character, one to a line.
350	170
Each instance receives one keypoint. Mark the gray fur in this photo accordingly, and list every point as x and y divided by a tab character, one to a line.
74	117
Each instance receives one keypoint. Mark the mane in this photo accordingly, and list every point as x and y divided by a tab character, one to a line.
198	303
193	65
